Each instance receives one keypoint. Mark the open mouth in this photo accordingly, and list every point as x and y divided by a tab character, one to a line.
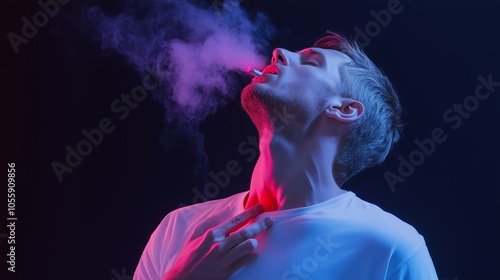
271	69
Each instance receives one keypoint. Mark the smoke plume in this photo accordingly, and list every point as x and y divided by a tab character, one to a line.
197	49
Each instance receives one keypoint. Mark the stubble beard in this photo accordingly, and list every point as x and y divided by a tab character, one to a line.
271	110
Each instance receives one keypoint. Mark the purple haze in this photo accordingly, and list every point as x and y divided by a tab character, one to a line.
195	49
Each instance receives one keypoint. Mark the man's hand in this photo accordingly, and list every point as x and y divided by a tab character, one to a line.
215	250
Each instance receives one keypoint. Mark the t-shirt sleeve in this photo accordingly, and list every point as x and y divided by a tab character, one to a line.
161	250
418	267
171	235
148	266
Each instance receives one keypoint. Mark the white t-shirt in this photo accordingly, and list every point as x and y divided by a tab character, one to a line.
342	238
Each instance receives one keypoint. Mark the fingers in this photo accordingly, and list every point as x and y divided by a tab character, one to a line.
240	219
243	238
242	250
241	244
209	223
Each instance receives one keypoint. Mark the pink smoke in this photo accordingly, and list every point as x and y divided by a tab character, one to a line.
196	50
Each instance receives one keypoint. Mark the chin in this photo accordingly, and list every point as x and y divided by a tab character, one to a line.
253	103
254	88
251	94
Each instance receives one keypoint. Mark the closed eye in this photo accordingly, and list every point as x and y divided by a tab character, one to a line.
311	57
312	63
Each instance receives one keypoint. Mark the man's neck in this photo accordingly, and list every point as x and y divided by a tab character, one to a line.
290	175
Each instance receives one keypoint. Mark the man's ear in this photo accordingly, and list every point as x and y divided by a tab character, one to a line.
344	109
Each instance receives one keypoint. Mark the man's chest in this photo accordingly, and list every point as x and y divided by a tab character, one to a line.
310	250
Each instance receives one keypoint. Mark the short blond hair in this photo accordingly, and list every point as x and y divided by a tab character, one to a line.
370	138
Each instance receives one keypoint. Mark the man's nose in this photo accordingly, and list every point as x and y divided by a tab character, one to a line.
280	56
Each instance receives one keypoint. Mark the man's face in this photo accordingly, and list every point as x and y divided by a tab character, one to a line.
298	83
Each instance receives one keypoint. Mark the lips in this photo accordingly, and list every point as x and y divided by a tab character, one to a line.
271	69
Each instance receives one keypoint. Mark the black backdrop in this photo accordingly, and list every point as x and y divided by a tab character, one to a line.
95	223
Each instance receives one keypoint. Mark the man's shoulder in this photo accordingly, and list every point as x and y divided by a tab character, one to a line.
214	203
387	228
200	211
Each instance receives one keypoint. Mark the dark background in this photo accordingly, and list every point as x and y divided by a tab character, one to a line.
95	224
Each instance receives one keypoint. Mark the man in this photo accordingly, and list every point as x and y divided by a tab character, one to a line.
296	222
